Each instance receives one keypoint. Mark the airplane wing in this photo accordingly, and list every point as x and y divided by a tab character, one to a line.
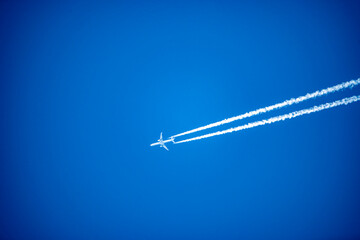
165	147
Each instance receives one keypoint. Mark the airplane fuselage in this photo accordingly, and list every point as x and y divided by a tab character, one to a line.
161	142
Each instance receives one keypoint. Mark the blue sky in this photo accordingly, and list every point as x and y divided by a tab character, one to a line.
86	87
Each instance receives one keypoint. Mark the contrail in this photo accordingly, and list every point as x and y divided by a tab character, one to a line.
289	102
295	114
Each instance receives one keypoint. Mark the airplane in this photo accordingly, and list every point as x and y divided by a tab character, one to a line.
161	142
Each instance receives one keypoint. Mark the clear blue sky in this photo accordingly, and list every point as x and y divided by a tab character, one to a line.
86	87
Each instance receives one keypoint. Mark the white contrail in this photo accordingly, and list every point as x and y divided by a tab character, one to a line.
344	101
289	102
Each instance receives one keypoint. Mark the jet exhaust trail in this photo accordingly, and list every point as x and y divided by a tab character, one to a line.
291	115
289	102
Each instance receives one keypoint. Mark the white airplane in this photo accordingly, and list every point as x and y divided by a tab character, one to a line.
161	142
